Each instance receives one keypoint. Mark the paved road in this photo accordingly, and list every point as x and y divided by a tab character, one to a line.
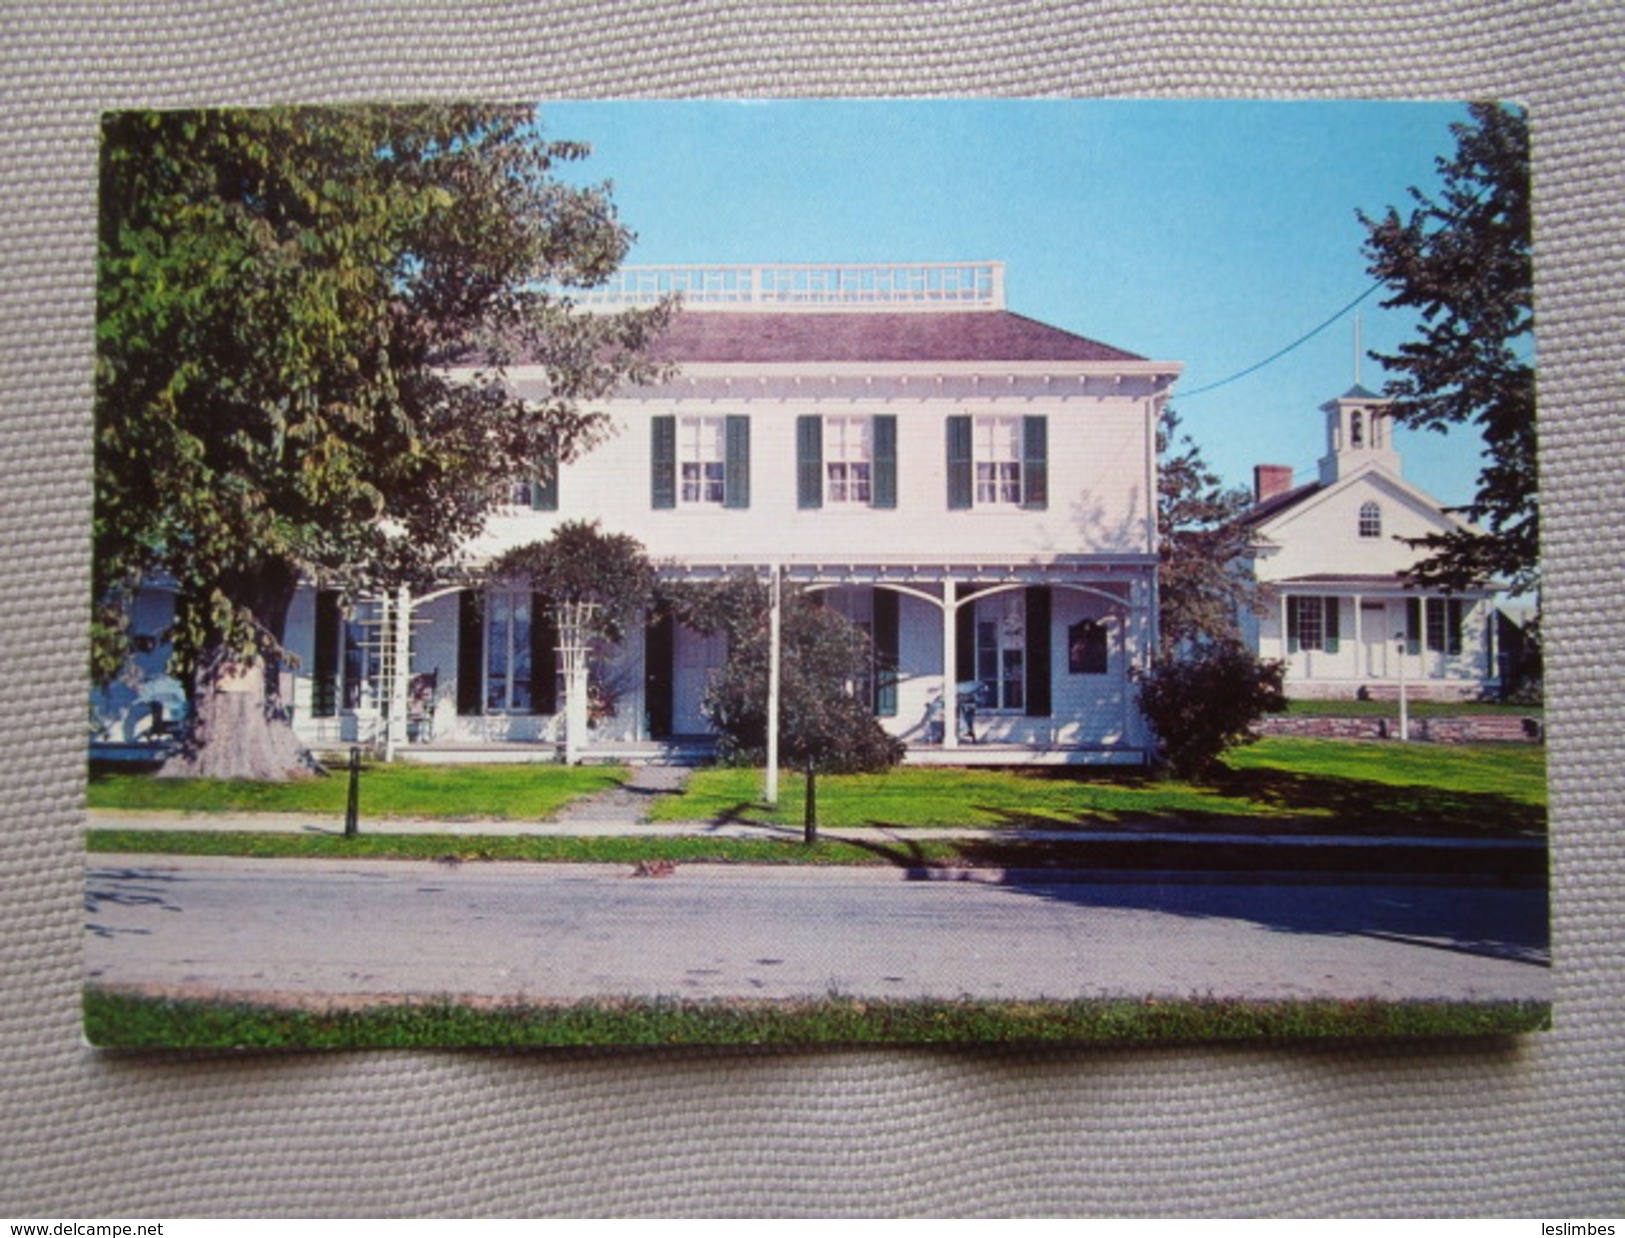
349	929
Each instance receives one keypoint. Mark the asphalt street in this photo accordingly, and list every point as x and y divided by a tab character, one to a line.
359	930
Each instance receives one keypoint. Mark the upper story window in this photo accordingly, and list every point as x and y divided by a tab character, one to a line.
998	461
1370	520
700	461
996	448
846	461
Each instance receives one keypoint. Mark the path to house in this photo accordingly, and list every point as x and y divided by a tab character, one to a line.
632	801
353	931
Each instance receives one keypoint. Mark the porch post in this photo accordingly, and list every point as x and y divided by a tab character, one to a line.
1361	671
950	660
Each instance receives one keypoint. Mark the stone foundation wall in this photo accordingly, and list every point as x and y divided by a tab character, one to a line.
1464	729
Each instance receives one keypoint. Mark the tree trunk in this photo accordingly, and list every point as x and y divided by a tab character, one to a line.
239	727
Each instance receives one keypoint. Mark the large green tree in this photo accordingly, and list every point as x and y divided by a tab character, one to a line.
1462	261
280	295
1201	588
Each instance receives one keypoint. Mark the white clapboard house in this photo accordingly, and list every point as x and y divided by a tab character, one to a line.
975	488
1331	556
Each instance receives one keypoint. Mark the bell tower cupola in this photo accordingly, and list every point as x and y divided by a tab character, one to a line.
1358	435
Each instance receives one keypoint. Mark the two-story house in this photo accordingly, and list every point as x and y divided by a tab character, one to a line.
974	488
1331	557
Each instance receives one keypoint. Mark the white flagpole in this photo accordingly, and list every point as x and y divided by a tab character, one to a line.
770	791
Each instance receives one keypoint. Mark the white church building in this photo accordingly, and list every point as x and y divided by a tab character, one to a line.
972	487
1330	556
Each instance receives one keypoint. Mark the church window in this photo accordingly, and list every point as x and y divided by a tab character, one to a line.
1370	520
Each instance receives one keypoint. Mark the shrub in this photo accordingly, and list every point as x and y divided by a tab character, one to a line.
1206	702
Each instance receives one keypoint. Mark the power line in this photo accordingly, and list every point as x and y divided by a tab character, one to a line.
1276	356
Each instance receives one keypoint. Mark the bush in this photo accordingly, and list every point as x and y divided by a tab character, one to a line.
1207	702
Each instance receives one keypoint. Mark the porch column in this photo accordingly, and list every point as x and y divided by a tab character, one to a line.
950	660
1361	671
1286	646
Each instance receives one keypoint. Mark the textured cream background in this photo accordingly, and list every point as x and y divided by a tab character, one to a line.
1535	1127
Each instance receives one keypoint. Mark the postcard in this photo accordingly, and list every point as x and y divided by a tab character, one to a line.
856	572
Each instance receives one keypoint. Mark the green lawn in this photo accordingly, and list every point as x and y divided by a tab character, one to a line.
1340	786
1334	786
454	792
115	1020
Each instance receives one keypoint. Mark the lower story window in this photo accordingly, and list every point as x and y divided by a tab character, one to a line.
1001	649
507	653
1313	623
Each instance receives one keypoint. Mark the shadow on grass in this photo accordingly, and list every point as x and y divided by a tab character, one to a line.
1358	806
1296	803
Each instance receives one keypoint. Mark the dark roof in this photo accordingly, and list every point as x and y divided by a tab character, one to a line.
873	336
1358	392
1260	512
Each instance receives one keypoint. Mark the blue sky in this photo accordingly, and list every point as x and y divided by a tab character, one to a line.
1210	233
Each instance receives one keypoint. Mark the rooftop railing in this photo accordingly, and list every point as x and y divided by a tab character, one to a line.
811	286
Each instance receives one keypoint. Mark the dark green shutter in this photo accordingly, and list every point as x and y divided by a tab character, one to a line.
1037	653
960	489
1333	633
324	701
544	656
663	462
1292	643
885	461
544	489
809	461
736	470
1035	463
657	673
470	653
1455	616
886	652
965	641
1414	627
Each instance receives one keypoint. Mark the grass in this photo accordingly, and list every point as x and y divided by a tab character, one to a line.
125	1021
1302	785
914	855
454	848
1331	786
452	792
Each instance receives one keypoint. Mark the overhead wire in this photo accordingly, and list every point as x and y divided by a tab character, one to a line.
1277	355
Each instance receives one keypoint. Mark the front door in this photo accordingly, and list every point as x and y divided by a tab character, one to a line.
698	658
1374	639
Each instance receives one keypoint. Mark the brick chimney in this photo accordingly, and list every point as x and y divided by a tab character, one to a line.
1270	480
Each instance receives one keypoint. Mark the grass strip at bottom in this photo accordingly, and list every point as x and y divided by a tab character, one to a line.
128	1021
616	849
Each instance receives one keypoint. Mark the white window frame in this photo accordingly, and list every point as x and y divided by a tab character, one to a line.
996	461
849	460
1001	653
1370	521
503	608
702	461
1311	621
